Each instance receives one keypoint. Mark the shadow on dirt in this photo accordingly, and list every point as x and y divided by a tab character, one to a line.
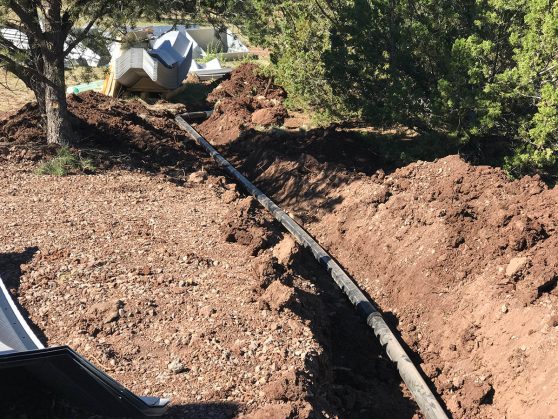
302	169
10	265
356	379
362	150
10	272
256	151
194	95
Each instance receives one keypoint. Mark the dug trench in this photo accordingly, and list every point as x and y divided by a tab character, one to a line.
164	275
351	378
461	257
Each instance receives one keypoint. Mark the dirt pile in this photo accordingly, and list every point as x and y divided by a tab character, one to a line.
461	258
245	100
114	132
172	291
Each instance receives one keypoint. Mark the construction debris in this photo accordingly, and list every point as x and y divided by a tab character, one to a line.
160	68
145	62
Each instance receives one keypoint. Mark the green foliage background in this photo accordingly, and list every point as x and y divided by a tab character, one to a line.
470	69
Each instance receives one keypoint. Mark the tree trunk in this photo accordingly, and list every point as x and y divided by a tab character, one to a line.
39	91
35	84
59	130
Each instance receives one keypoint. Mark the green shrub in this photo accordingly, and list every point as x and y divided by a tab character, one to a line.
469	69
64	163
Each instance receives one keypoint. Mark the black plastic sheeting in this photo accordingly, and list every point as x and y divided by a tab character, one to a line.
66	373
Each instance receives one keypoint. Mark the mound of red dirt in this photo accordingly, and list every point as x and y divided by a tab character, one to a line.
248	82
127	133
245	100
189	292
463	259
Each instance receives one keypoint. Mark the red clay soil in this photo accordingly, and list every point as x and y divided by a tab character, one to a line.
180	289
245	100
462	260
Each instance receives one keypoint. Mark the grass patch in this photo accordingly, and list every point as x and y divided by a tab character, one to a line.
64	163
248	59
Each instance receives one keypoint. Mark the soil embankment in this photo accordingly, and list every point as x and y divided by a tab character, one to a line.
160	272
462	259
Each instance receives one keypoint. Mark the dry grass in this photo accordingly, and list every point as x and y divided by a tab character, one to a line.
79	75
14	94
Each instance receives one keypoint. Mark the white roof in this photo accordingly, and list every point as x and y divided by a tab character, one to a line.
19	39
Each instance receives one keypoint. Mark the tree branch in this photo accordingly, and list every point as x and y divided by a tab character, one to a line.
10	45
67	20
85	31
326	14
28	16
19	68
24	77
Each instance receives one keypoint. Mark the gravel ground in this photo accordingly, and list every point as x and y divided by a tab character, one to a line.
187	292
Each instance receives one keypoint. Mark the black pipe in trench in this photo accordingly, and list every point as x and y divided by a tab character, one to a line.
410	374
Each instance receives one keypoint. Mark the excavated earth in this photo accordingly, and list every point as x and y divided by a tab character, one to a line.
245	100
160	272
153	265
462	260
129	135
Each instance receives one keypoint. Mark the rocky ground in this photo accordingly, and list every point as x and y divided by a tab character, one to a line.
159	270
165	276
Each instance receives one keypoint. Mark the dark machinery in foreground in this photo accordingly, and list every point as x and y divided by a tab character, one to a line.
64	371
